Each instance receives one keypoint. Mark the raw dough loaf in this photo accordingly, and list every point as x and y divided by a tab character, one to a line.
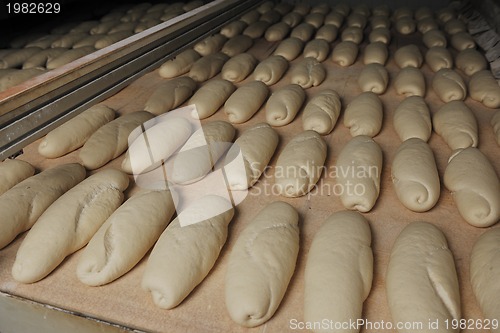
484	88
68	40
302	8
484	270
380	35
256	146
334	18
339	267
250	17
308	73
12	172
292	19
68	224
13	77
43	42
87	41
470	61
169	95
375	53
327	32
41	58
257	29
246	101
402	12
474	186
449	85
238	67
434	38
270	16
207	67
210	97
123	27
112	38
75	132
271	69
356	20
352	34
116	248
237	45
277	32
289	48
454	26
233	28
210	45
283	8
345	53
446	14
360	165
317	49
412	119
408	56
364	115
181	64
495	123
342	8
284	104
185	254
415	176
315	19
380	21
405	25
111	140
423	12
381	10
421	279
410	82
300	164
322	112
373	77
462	40
304	32
261	264
427	24
438	57
322	8
69	56
18	57
457	125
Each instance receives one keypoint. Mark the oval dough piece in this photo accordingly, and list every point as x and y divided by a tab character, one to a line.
356	20
375	53
179	65
250	17
457	125
271	16
327	32
339	266
470	61
108	40
434	38
210	97
271	69
111	140
423	12
169	95
315	19
261	264
322	112
342	8
412	119
238	67
292	19
317	49
12	172
41	58
233	28
454	26
75	132
13	77
484	88
345	53
284	104
373	77
256	146
381	10
427	24
352	34
410	82
405	25
380	21
16	58
474	186
55	235
322	8
69	56
380	35
246	101
415	176
308	73
210	45
207	67
438	57
257	29
402	12
449	85
115	248
359	166
334	18
445	14
495	123
364	115
421	279
300	164
283	8
237	45
303	32
43	42
289	48
462	40
408	56
277	32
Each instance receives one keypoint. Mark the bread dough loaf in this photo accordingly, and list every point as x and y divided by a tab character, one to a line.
233	28
462	40
87	41
43	42
339	266
115	248
292	19
380	21
289	48
169	95
342	8
179	65
423	12
271	69
304	32
484	270
484	88
68	224
474	186
317	49
352	34
374	78
427	24
421	279
41	58
321	8
410	82
246	101
449	85
356	20
438	57
123	27
382	35
434	38
364	115
415	176
270	16
345	53
16	58
315	19
75	132
111	140
69	56
284	104
405	25
321	112
300	164
238	67
495	123
412	119
277	32
12	172
13	77
334	18
375	53
68	40
402	12
207	67
210	45
110	39
250	17
470	61
257	29
381	10
327	32
454	26
210	97
308	73
457	125
408	56
237	45
283	8
261	264
256	146
445	14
